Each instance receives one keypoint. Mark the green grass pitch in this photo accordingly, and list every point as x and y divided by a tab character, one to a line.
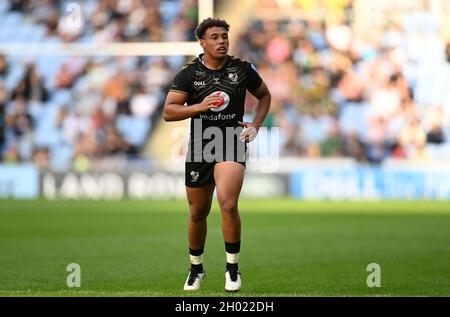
289	248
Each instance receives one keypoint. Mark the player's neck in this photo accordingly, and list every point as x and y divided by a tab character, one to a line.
213	63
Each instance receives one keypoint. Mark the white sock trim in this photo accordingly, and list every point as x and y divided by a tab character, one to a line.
196	259
232	258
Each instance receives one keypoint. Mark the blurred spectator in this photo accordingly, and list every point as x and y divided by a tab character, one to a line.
19	121
19	126
74	125
3	97
31	87
386	99
3	66
86	146
339	36
75	66
143	104
398	152
413	138
51	21
18	5
332	145
158	74
447	52
433	120
117	89
11	155
353	147
115	143
41	158
376	139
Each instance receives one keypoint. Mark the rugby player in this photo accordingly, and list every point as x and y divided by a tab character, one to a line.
211	91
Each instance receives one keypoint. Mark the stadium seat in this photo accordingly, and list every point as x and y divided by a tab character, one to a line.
133	129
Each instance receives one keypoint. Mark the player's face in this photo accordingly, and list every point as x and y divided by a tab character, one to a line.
215	42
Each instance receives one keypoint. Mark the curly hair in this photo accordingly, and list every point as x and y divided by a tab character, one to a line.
208	23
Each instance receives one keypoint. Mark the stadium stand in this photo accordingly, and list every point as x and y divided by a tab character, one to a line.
373	93
370	93
63	111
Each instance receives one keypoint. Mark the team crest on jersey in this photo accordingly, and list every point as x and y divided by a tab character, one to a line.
194	175
233	77
226	101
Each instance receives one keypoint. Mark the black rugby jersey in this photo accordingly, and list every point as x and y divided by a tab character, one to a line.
231	82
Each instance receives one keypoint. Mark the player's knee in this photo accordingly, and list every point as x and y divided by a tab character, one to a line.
229	207
198	215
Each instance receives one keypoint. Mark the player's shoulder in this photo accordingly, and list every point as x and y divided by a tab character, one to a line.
189	66
240	62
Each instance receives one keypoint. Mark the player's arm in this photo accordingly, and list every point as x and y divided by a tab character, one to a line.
250	131
263	106
176	110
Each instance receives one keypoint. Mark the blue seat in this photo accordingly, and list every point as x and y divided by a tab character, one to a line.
133	129
62	97
61	156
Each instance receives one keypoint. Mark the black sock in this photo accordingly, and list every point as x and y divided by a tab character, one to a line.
197	268
232	266
234	247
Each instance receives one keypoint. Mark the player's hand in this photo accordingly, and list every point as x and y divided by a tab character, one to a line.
211	101
249	133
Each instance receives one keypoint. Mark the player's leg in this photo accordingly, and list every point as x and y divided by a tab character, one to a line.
199	199
229	177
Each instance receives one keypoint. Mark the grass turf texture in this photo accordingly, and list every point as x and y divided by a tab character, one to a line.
289	248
